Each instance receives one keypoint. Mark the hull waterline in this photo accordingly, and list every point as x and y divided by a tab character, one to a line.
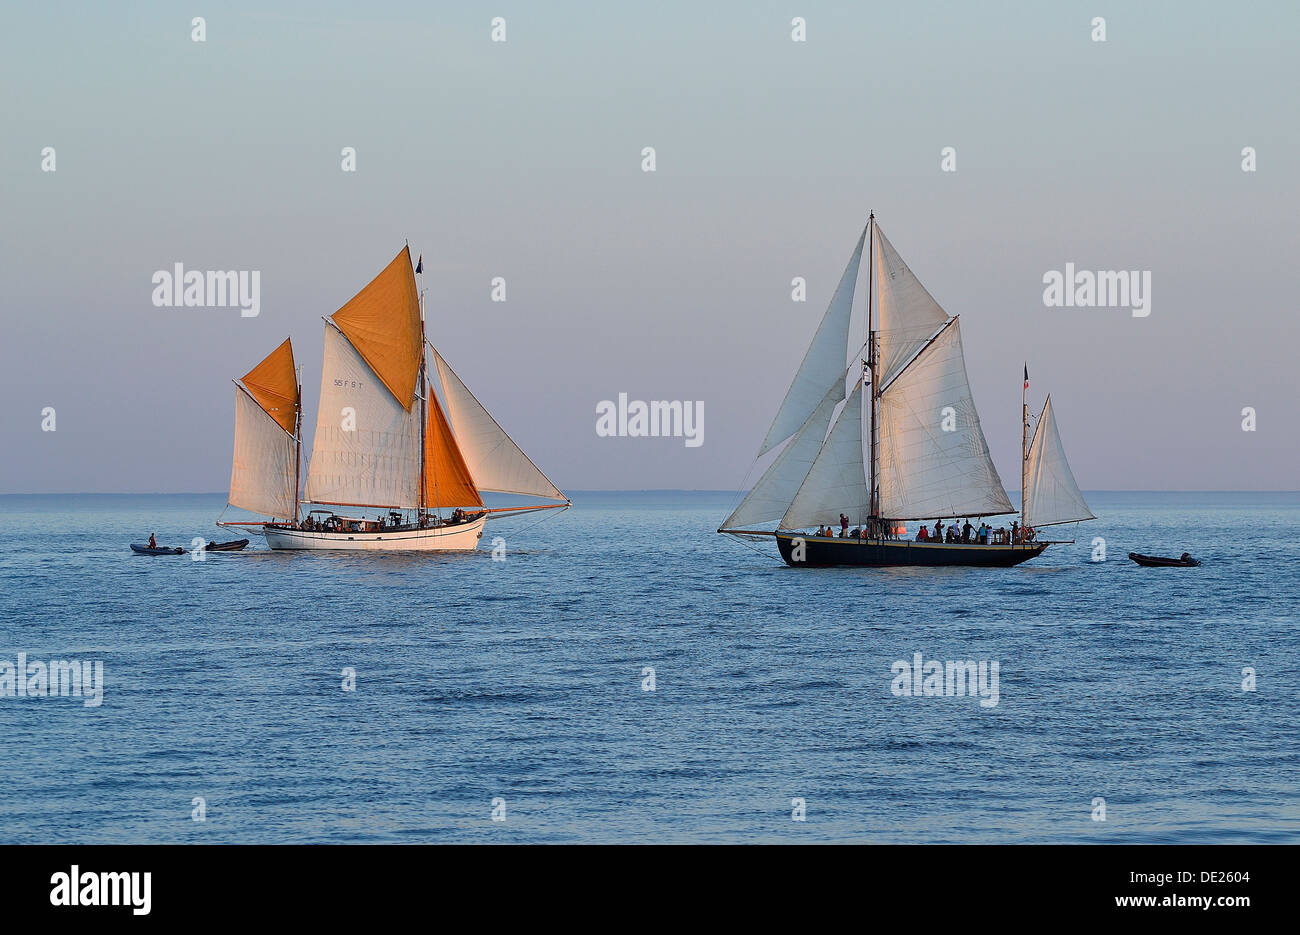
821	552
462	537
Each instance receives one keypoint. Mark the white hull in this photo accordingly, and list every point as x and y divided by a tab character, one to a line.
460	538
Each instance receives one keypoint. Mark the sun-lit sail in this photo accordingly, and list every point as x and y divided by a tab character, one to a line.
836	482
906	444
263	471
1052	495
775	490
934	461
909	315
827	353
494	460
274	384
383	441
366	450
448	481
382	322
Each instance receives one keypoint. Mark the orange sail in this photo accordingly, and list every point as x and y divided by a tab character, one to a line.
274	384
447	481
382	322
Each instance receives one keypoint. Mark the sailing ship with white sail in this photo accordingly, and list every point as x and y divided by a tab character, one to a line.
881	428
382	441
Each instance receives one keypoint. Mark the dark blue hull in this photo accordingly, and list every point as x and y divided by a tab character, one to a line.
824	552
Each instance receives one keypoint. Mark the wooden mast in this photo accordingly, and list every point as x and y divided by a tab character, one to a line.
872	363
297	455
424	405
1024	445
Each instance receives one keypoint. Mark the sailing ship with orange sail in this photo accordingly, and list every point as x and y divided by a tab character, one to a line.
382	441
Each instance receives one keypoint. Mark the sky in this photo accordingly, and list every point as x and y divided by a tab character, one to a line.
523	160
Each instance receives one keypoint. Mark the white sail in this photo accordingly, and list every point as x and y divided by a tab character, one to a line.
366	451
827	354
1051	494
933	459
262	472
775	490
909	315
493	458
837	481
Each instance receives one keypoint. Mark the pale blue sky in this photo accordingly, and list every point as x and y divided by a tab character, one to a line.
522	160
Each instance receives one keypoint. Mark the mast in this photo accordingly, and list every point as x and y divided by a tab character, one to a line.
875	383
1024	445
297	454
424	403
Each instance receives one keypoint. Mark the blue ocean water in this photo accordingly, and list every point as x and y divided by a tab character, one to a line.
522	680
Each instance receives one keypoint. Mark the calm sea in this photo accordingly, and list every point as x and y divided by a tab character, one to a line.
522	681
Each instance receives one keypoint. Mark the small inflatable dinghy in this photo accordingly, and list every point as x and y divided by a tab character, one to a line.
145	550
1157	561
235	546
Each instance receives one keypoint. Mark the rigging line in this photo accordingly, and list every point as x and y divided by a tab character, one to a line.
750	546
546	514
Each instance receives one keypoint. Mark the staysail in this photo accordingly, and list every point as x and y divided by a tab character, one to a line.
775	490
448	480
837	481
496	462
934	461
264	467
827	354
1052	495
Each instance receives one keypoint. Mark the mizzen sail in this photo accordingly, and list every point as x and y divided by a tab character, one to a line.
1052	495
262	471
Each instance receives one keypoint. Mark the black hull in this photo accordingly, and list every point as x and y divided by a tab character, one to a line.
823	553
1156	561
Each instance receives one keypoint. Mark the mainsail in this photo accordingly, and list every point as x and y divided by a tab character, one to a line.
492	456
366	451
264	467
1051	494
827	354
934	461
